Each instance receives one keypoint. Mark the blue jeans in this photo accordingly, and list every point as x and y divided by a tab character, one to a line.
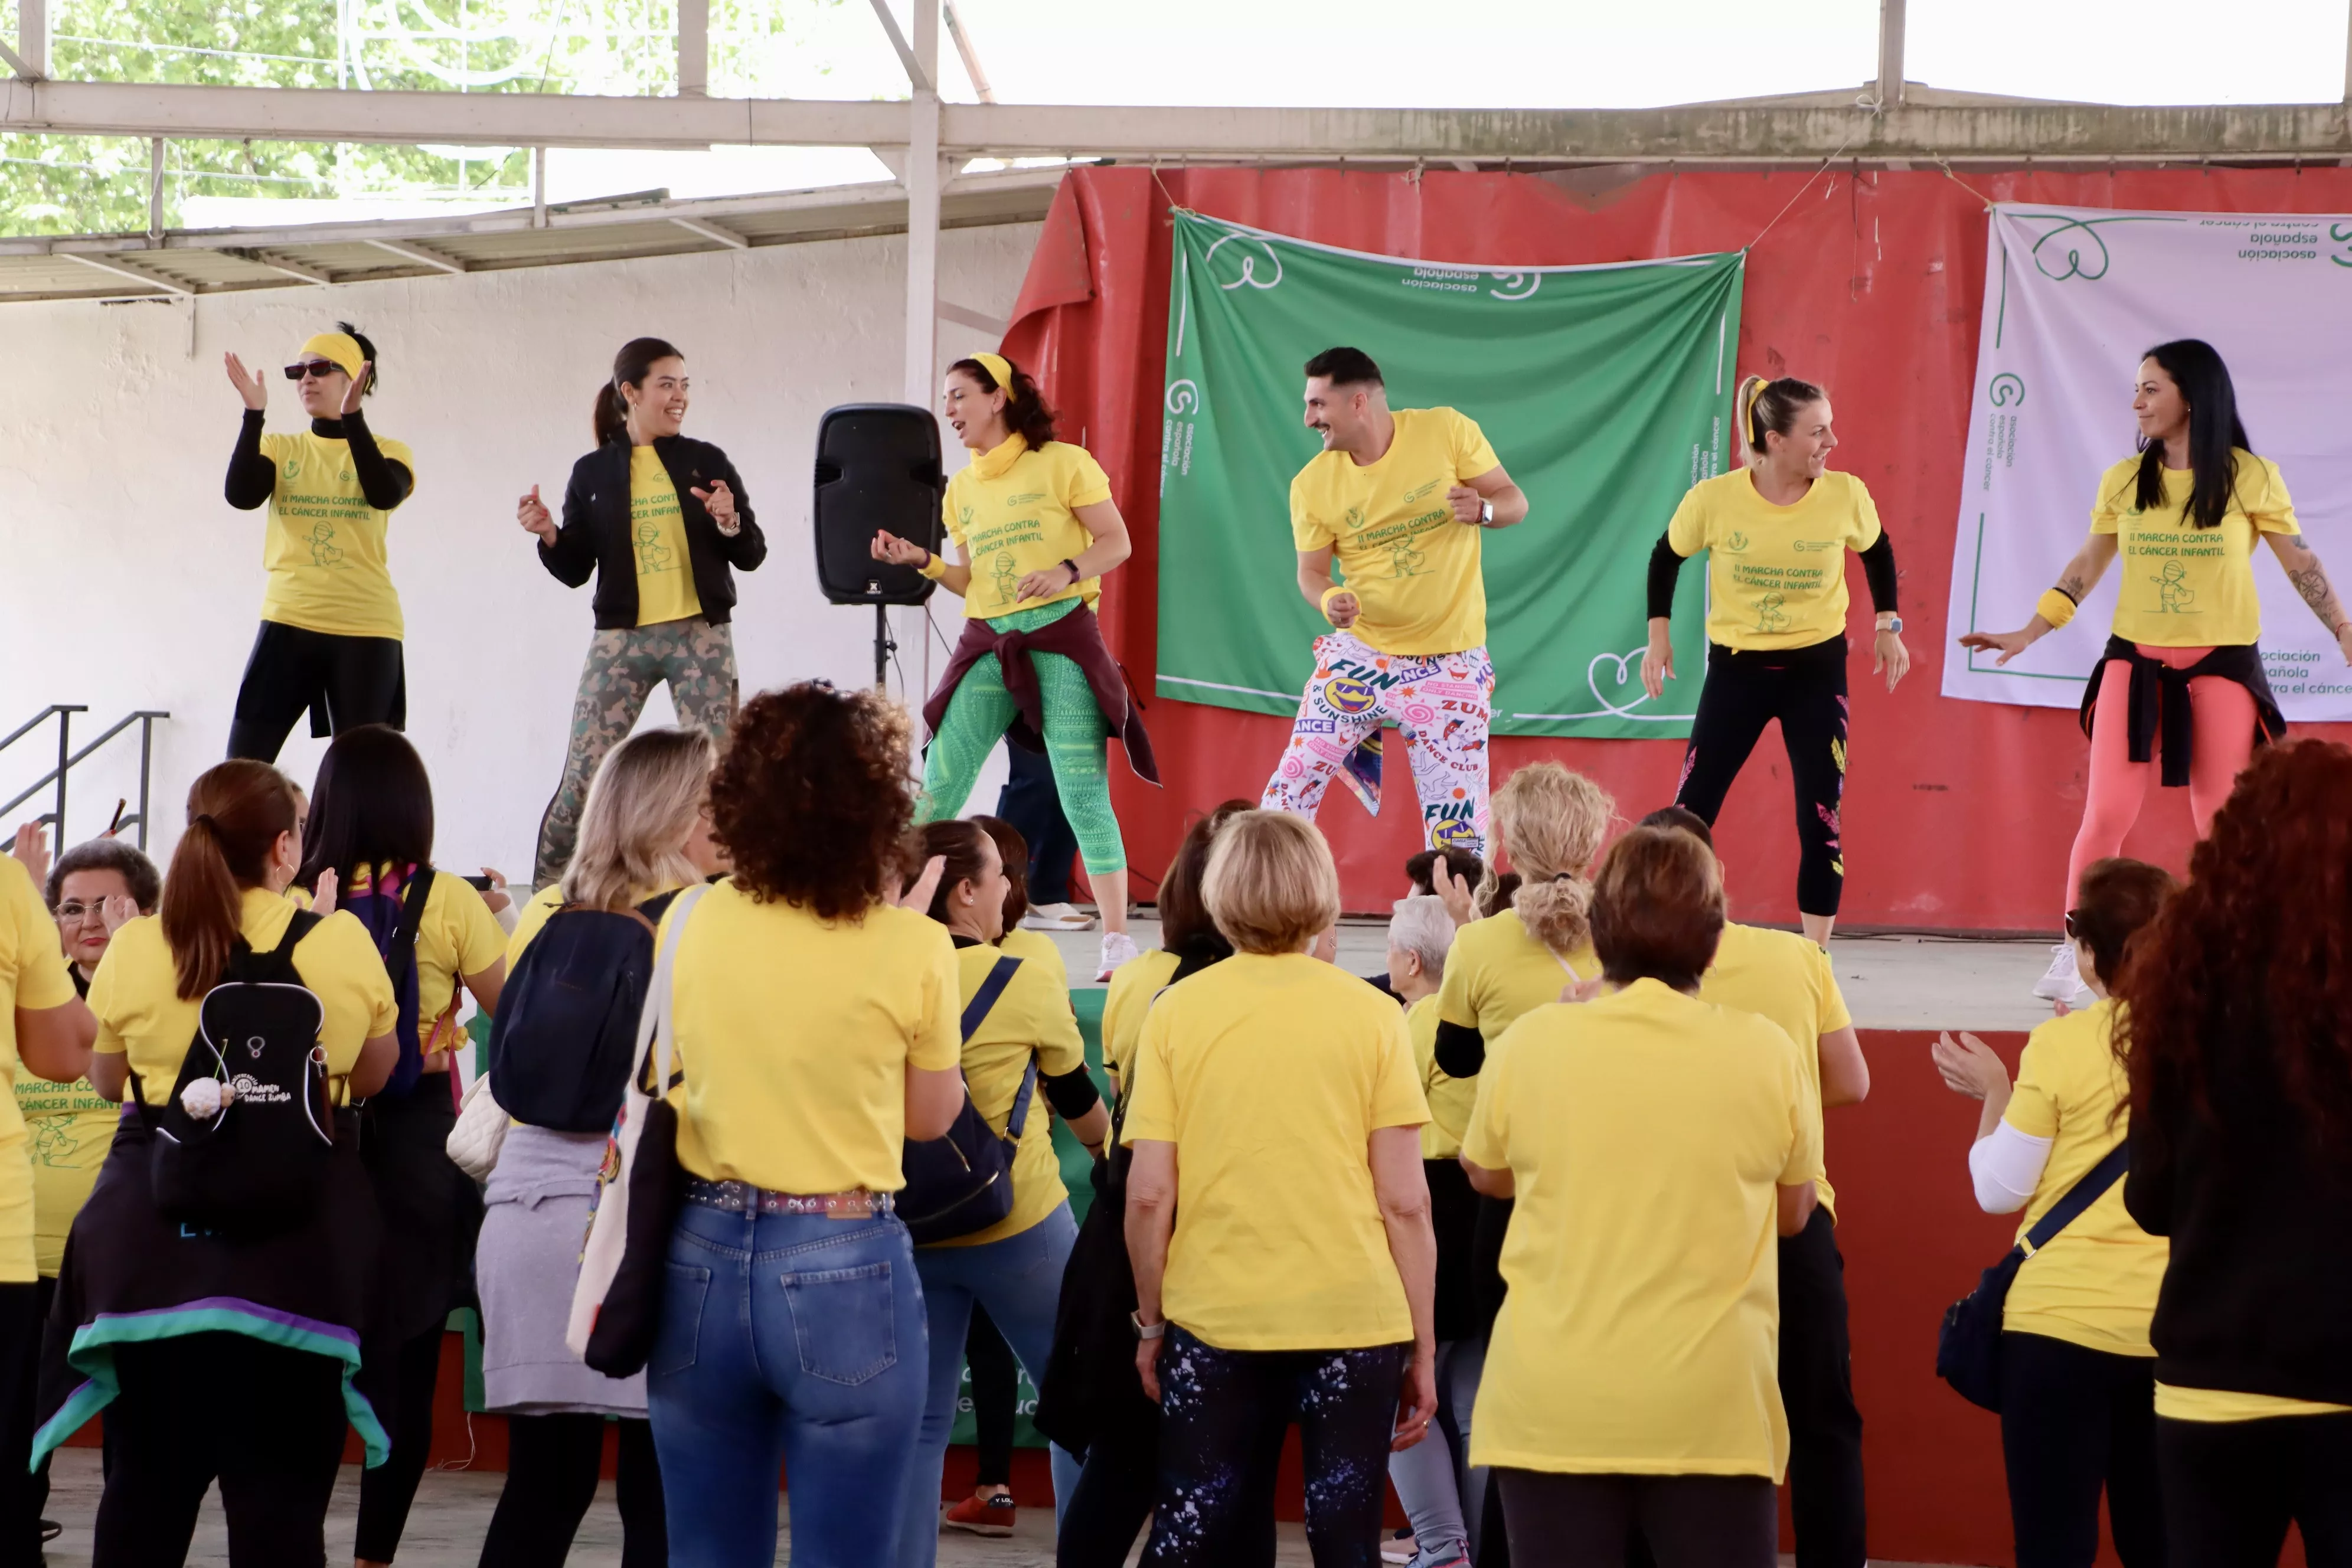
1019	1280
787	1342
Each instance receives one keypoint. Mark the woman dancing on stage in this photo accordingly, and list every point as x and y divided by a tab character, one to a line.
1776	531
1034	530
2183	661
331	626
662	520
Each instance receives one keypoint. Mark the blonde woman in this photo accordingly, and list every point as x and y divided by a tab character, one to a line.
645	833
1273	1073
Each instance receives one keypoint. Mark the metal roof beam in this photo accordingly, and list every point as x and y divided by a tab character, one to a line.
726	237
422	254
115	265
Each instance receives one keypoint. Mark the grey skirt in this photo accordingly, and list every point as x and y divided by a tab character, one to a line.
536	1212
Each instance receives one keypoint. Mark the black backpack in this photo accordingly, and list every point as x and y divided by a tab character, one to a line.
259	1163
963	1184
392	919
566	1034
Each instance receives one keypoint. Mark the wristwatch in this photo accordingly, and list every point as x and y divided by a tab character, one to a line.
1486	514
1144	1331
1893	625
1076	576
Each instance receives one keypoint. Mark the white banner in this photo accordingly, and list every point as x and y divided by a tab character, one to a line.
2073	298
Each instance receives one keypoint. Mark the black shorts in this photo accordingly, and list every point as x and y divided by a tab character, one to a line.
342	682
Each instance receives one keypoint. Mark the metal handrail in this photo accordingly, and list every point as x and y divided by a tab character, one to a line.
66	758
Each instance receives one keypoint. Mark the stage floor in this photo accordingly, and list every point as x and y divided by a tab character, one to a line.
1890	982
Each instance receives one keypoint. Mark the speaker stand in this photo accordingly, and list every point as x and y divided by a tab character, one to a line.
885	645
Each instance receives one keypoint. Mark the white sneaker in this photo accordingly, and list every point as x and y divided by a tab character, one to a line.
1117	948
1057	917
2063	980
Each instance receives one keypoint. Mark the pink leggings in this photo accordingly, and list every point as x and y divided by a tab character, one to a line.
2225	741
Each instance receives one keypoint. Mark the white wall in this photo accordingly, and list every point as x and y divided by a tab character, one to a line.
127	582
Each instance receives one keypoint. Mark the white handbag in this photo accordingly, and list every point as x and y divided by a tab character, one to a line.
608	1233
481	1130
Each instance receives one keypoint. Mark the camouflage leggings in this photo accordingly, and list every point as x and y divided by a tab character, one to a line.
696	659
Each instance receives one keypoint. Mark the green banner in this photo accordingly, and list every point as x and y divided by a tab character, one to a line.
1605	390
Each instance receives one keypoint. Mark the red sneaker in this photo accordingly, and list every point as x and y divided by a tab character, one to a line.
980	1516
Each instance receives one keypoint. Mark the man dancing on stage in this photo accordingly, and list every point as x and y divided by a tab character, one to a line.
1402	498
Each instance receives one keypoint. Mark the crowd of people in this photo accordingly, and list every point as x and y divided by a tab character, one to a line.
1536	1224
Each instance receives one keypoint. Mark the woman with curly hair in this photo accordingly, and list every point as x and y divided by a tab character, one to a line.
815	1030
2233	1026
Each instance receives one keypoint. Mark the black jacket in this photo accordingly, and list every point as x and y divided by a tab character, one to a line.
595	534
2258	1296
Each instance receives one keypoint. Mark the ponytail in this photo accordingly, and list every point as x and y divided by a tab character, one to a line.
1770	407
1557	912
236	812
610	415
1550	820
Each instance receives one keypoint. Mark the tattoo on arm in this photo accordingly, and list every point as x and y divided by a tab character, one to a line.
2073	587
2312	584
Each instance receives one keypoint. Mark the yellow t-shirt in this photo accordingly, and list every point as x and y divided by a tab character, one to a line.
328	570
1038	948
1413	568
1033	1017
2094	1285
2185	586
69	1127
794	1035
2227	1405
1450	1098
456	936
657	539
1014	511
136	996
1781	976
1495	972
1269	1075
1133	985
1775	574
528	922
33	976
1647	1132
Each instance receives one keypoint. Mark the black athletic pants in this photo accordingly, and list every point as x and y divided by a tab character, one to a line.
343	682
1805	690
386	1491
1591	1521
2075	1422
2230	1487
264	1421
995	1390
21	1493
552	1467
1825	1495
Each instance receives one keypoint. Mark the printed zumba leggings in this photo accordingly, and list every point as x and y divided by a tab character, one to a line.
693	658
980	712
1441	704
1222	1414
1805	688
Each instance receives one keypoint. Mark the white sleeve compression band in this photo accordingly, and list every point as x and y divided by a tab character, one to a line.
2006	1168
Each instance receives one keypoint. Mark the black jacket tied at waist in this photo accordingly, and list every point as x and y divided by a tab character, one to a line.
598	534
2158	701
1076	636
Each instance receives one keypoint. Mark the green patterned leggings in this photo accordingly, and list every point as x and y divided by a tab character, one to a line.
981	710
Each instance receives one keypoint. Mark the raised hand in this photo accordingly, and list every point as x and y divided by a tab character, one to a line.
532	513
1455	892
2009	645
357	387
897	552
919	897
250	387
32	850
719	502
322	896
1968	1065
116	910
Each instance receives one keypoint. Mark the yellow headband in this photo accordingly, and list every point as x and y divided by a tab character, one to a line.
340	348
1001	368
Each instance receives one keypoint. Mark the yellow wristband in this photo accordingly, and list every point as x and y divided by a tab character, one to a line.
2055	607
1333	592
934	567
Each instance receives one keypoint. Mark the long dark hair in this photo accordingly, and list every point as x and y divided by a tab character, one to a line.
1014	851
372	805
1186	926
956	840
2196	368
612	413
2235	995
1025	410
235	812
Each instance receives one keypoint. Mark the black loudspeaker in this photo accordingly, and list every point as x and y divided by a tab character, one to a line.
877	466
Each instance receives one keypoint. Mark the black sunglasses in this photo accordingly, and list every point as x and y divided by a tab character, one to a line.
2071	931
321	368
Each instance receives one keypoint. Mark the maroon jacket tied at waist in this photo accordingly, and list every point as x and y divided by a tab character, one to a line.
1076	636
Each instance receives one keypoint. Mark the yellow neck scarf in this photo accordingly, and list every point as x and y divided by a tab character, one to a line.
998	460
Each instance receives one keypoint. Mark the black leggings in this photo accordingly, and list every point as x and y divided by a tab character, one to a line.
1825	1495
2230	1487
2074	1421
552	1467
343	682
1805	690
1560	1520
386	1490
1222	1416
995	1392
264	1421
